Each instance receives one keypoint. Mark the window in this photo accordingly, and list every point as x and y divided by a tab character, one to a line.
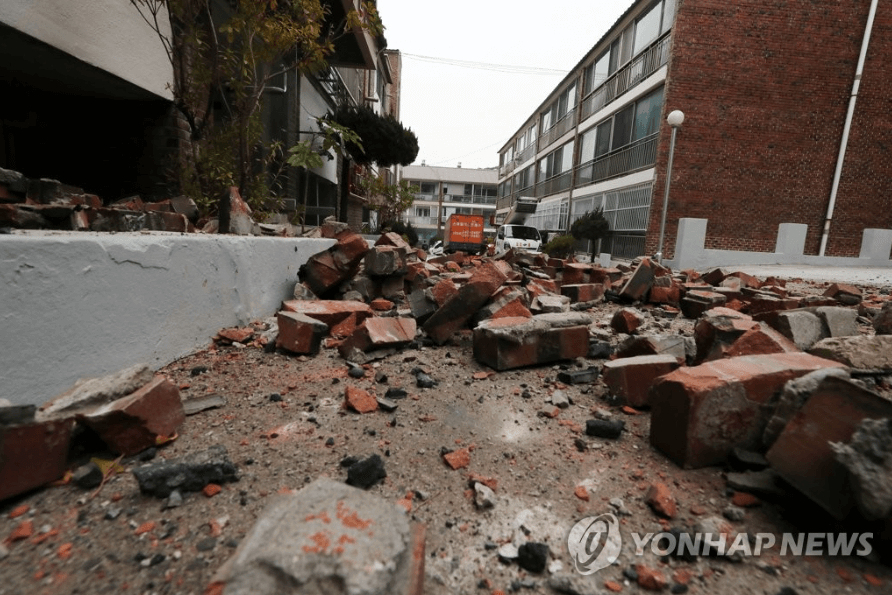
428	188
602	145
622	127
557	162
422	211
647	114
587	146
668	15
560	108
647	28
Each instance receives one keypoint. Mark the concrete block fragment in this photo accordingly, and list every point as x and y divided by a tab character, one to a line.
882	321
506	343
802	454
630	378
800	326
868	459
838	322
299	333
133	423
863	352
793	395
328	538
549	304
699	414
32	455
422	305
696	302
89	393
673	345
385	260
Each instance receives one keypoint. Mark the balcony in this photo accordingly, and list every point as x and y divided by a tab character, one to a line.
477	199
560	127
554	184
639	155
641	67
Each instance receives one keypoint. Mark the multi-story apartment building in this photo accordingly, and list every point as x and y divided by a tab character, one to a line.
443	191
769	136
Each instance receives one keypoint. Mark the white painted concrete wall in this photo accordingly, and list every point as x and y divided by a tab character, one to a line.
108	34
85	305
314	105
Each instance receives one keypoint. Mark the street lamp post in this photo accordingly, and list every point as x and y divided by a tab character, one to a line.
674	120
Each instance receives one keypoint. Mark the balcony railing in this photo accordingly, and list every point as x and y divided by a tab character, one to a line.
641	67
553	185
478	199
528	152
560	127
638	155
422	221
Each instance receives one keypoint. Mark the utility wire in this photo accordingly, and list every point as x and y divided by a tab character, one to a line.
487	66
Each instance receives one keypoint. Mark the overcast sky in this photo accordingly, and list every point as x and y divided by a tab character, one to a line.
462	113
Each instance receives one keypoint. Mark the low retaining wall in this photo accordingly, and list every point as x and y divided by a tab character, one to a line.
690	253
82	304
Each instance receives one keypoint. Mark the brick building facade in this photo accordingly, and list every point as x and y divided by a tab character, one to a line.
765	86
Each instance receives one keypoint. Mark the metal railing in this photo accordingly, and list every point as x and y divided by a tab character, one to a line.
641	67
508	167
560	127
528	152
425	221
554	184
479	199
638	155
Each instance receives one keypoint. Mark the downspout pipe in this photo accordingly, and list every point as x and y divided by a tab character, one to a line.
848	126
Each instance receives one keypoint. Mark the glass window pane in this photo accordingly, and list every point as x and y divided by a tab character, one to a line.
647	114
587	146
626	45
622	127
647	28
668	15
567	157
603	143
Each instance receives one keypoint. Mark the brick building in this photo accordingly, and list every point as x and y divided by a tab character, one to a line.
765	87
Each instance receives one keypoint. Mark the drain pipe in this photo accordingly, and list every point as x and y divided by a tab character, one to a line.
848	125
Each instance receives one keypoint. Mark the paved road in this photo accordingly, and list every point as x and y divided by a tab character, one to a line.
873	276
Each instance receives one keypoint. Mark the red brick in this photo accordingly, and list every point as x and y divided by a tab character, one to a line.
458	459
299	333
359	400
443	290
458	310
507	343
650	579
380	333
717	330
802	455
584	292
696	302
699	414
661	500
381	305
626	320
391	238
761	339
237	335
639	284
665	295
332	312
133	423
32	455
574	273
630	378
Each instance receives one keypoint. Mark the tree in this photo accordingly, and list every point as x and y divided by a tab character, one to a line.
384	140
591	226
389	200
230	60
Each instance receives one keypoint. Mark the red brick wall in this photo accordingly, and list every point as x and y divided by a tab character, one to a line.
764	85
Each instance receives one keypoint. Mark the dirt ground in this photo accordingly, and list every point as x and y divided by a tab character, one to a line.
284	425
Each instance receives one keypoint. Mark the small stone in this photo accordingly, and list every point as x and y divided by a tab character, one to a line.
508	552
366	473
206	544
87	476
174	500
396	393
661	500
601	428
559	399
386	404
650	579
532	556
734	513
484	497
423	380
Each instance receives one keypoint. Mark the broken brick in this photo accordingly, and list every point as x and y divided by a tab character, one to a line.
626	320
458	310
458	459
583	292
507	343
32	455
661	500
699	414
696	302
630	378
133	423
359	400
300	333
379	333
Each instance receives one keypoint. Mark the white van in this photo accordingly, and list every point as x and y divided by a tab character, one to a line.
519	237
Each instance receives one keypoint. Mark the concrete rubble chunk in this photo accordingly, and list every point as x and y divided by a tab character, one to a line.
802	327
328	539
550	304
629	379
673	345
89	393
696	302
864	352
882	321
868	459
514	342
133	423
382	260
717	329
838	322
188	474
803	456
640	282
699	414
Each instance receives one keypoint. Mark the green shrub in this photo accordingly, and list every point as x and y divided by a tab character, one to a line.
560	246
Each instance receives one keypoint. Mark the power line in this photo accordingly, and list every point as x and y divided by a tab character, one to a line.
509	68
